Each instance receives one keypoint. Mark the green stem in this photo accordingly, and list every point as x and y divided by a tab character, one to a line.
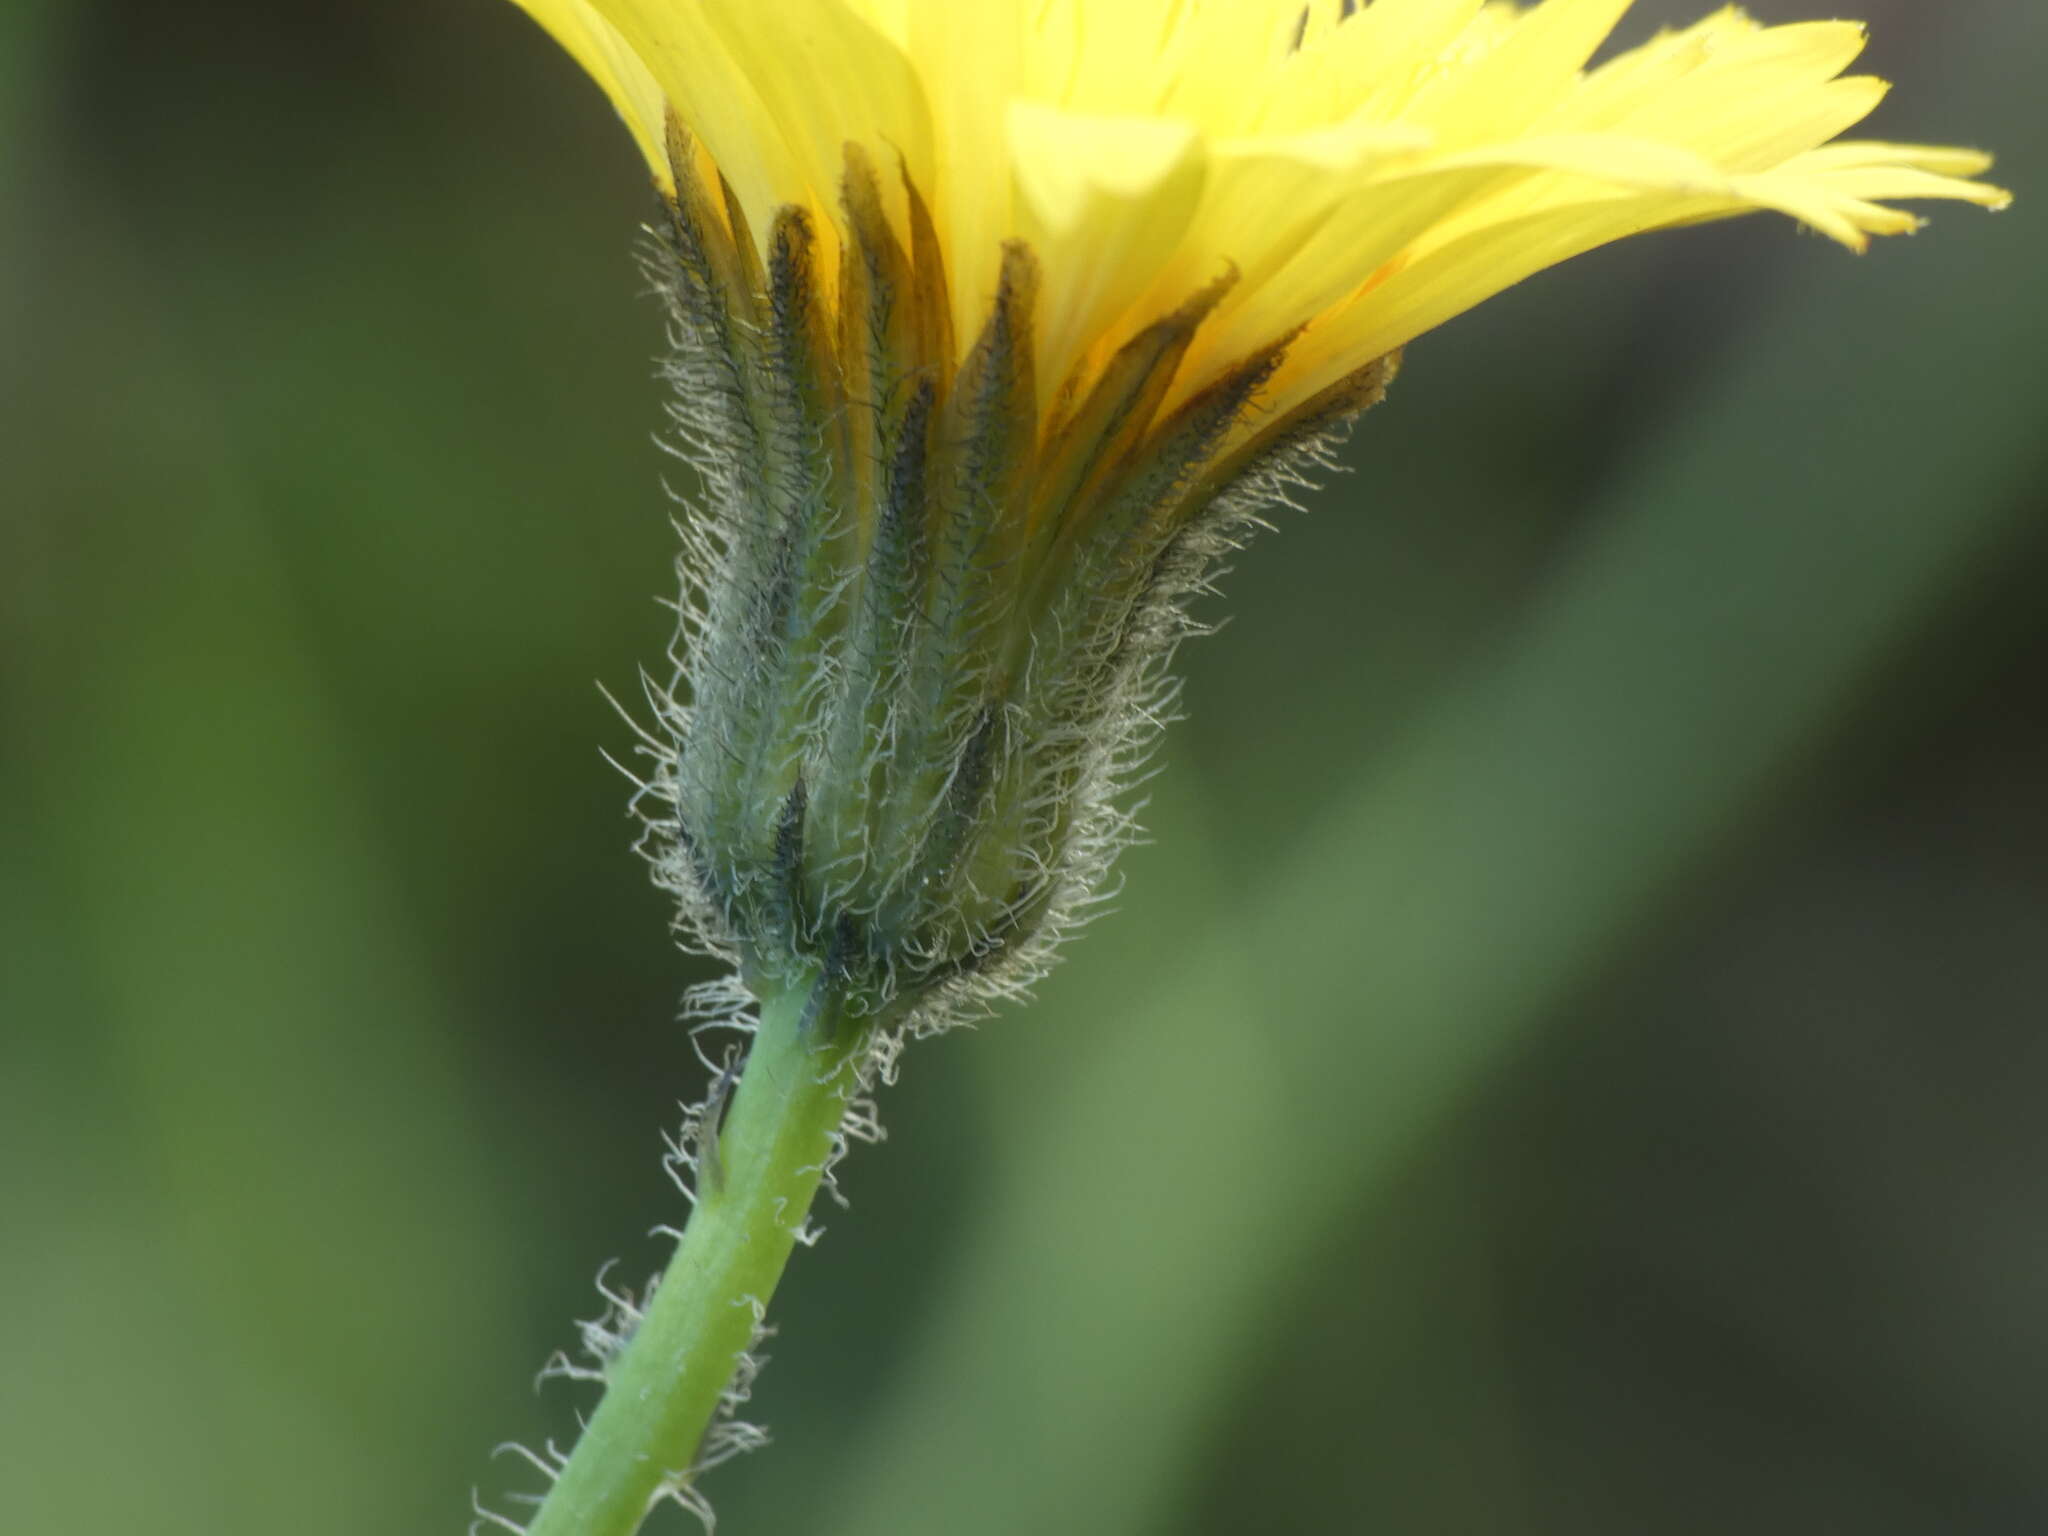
662	1390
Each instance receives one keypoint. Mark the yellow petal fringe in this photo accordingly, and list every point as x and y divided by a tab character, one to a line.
1367	171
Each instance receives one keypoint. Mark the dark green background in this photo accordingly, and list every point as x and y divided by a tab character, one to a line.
1570	1061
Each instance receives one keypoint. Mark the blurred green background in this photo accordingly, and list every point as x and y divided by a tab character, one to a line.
1570	1061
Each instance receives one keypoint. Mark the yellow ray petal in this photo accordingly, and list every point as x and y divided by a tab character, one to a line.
972	58
609	60
1535	60
1104	202
776	91
1943	160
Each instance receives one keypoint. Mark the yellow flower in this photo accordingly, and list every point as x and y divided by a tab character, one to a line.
998	320
996	323
1366	170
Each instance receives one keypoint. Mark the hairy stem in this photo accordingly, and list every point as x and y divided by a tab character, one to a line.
755	1185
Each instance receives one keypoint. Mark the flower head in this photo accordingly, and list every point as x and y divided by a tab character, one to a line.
994	323
998	318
